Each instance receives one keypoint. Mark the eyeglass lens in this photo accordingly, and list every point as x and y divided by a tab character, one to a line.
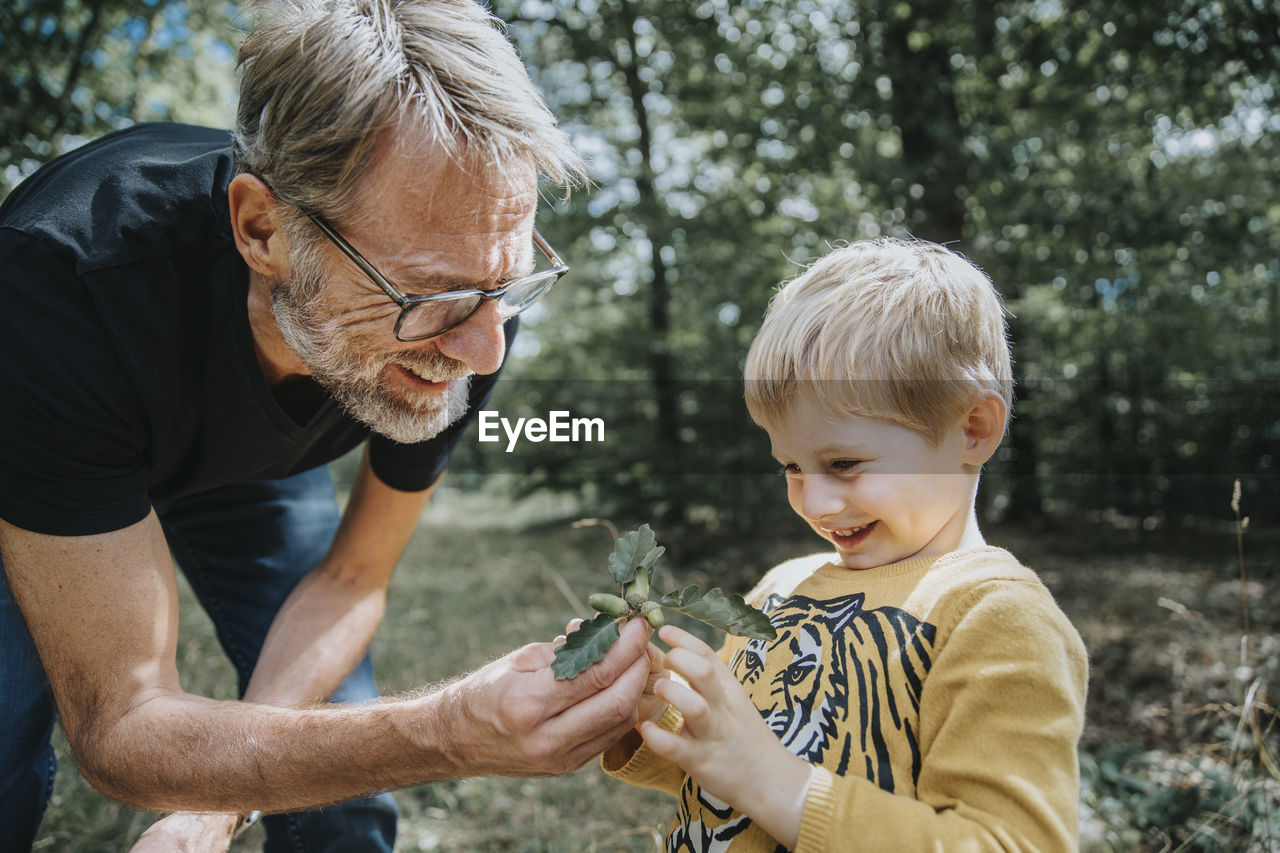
427	319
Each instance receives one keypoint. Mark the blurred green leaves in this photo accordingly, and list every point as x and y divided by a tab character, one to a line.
1113	166
71	70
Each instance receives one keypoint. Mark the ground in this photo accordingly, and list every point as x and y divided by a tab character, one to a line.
1169	756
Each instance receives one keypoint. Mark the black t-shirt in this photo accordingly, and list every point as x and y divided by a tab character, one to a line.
127	366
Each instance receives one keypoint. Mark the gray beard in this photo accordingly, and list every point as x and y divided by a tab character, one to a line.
354	379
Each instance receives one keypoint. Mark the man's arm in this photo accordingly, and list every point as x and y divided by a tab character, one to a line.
327	623
322	630
103	612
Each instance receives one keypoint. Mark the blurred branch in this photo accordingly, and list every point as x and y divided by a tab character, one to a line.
76	59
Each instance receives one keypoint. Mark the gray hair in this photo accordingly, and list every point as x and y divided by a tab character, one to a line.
323	79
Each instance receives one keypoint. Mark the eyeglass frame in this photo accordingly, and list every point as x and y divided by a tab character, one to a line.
409	301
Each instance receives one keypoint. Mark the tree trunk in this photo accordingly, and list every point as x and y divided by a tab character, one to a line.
928	118
76	61
661	368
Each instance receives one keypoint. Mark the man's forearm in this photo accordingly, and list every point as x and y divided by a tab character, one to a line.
320	634
296	754
184	752
174	751
315	641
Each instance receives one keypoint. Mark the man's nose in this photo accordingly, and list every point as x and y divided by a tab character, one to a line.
479	342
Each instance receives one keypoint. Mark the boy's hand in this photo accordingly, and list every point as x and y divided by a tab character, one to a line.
188	832
725	745
651	707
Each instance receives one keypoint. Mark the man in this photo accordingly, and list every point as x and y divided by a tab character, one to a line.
190	336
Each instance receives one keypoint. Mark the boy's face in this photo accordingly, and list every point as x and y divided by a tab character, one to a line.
878	492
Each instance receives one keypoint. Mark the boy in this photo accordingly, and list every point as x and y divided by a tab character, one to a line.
924	691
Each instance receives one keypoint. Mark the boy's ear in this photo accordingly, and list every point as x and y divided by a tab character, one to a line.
255	224
984	429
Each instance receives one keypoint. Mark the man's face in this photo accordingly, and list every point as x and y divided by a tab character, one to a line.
430	224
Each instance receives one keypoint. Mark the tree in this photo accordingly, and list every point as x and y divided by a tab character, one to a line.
1092	159
75	69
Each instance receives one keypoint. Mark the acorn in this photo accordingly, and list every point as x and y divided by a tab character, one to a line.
652	611
608	603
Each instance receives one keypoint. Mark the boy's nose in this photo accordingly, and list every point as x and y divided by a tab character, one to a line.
479	342
820	496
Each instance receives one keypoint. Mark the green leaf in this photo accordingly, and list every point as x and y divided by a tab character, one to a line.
632	551
585	646
729	613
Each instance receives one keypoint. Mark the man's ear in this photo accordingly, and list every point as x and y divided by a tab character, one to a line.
255	222
983	429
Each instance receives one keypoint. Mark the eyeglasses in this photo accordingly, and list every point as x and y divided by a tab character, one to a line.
426	316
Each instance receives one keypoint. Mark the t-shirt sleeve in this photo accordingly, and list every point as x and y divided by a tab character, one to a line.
414	467
72	439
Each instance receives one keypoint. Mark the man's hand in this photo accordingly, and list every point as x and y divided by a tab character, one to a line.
189	832
650	707
514	718
725	745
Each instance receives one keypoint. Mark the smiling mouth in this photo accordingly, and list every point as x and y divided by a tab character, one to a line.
850	536
849	531
428	381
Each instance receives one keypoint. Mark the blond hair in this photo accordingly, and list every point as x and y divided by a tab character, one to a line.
321	80
899	330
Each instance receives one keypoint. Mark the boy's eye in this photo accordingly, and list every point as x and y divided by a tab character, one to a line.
844	466
789	468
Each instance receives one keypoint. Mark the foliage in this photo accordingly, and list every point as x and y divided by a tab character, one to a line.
728	612
1112	166
76	69
1153	800
586	646
633	565
635	552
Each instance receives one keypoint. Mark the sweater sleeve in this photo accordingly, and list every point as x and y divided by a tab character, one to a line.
634	763
1001	715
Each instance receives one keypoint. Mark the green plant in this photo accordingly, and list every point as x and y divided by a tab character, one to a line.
633	565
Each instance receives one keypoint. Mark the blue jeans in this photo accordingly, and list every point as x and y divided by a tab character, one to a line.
243	549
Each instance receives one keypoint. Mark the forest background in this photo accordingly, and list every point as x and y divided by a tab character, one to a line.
1112	165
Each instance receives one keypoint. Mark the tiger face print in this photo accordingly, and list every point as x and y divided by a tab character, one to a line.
840	686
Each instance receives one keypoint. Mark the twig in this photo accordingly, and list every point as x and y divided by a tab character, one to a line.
602	522
561	584
653	835
1241	525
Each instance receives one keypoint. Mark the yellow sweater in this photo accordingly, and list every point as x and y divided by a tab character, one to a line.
941	700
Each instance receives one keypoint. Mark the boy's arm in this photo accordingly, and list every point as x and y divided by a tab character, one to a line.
1000	719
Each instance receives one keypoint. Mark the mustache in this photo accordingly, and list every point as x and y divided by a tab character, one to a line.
437	365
